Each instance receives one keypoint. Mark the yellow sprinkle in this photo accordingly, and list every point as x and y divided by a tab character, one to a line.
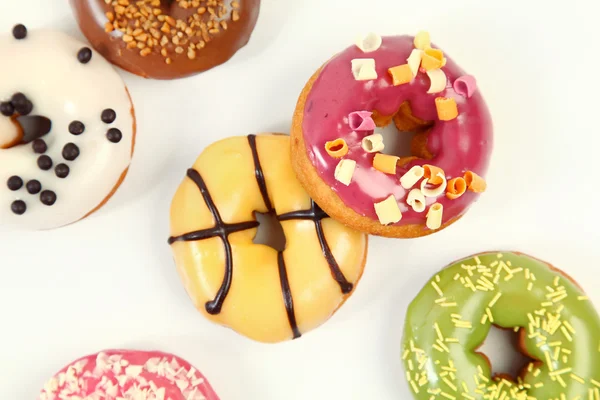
437	278
457	276
566	351
448	396
590	394
450	384
405	354
410	365
437	288
414	386
438	331
484	319
548	361
489	314
569	327
458	316
499	255
550	289
539	384
443	346
477	260
566	333
452	340
561	381
560	308
495	299
560	298
408	378
530	286
516	328
556	280
440	300
595	382
438	348
556	353
537	372
547	304
452	304
560	371
582	298
597	393
577	378
527	274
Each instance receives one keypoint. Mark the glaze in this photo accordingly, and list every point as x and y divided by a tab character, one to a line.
459	145
128	374
61	147
450	318
313	275
167	39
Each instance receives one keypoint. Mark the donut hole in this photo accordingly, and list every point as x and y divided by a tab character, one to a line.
502	349
23	130
404	134
270	232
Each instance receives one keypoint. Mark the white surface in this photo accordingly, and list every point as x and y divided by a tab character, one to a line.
109	281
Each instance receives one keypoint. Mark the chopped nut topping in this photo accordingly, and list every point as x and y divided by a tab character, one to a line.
147	29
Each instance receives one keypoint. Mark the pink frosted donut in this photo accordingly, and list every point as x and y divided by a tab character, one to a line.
129	374
337	152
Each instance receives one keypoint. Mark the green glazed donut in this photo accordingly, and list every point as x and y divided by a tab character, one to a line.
450	318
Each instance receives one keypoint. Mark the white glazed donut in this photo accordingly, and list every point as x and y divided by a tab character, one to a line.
67	173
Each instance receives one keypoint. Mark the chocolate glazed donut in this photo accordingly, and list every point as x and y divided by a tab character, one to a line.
167	39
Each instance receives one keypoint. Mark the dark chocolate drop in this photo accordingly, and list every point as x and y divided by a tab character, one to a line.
33	186
108	116
114	135
7	109
39	146
19	31
48	197
76	128
70	151
14	183
84	55
18	207
44	162
62	170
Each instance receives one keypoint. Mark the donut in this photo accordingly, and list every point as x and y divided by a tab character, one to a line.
338	154
557	325
67	130
264	294
167	39
128	374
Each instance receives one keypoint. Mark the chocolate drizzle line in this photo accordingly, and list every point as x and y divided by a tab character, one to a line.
223	230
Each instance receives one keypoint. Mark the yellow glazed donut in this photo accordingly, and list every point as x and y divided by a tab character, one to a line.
266	295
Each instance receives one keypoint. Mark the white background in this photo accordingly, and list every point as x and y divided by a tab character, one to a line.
109	281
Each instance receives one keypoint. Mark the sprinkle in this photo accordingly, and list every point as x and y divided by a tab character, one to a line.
369	43
434	216
388	211
438	331
566	333
450	384
452	304
577	378
447	109
465	86
569	327
373	143
412	176
414	386
477	184
361	121
446	395
437	79
489	314
495	299
385	163
440	300
416	199
363	69
402	74
582	298
344	171
437	288
336	148
405	354
530	286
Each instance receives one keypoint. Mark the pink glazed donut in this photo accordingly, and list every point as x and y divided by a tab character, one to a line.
128	374
338	155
